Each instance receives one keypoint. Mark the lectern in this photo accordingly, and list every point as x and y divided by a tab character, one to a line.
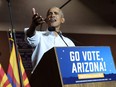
74	65
46	73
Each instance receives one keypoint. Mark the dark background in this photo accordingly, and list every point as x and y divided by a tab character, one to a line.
80	15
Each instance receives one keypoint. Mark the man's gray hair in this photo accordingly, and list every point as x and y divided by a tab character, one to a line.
62	15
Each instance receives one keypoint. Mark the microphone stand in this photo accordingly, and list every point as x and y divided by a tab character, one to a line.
62	38
53	29
65	4
12	34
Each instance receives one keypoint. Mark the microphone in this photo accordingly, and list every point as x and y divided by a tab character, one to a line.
51	29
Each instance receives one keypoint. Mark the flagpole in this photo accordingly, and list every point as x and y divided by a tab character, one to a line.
12	34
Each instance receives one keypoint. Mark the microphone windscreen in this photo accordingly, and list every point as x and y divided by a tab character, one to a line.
51	28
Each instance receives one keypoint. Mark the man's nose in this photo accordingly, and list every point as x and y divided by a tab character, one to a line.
53	14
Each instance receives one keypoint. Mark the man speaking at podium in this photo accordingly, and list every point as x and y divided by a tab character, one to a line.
43	41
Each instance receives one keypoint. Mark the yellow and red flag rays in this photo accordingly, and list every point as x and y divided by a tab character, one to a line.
24	76
13	70
4	81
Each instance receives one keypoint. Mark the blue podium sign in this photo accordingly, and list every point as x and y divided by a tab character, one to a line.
85	64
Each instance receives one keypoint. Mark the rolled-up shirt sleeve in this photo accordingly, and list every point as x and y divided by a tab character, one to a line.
34	40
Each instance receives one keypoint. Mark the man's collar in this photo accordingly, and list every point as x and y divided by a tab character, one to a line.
52	32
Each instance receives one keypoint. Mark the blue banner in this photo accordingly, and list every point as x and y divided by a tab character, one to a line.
86	64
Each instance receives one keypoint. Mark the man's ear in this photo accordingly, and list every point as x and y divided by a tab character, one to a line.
63	20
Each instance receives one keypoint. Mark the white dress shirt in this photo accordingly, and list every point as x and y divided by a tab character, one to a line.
44	41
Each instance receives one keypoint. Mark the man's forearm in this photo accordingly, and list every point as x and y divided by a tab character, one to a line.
31	30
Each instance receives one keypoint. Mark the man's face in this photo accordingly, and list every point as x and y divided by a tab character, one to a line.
55	17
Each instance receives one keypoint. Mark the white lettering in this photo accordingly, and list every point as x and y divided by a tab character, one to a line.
74	56
74	68
80	67
91	55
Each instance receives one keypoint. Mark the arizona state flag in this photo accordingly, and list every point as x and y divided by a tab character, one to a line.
24	76
13	70
4	82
